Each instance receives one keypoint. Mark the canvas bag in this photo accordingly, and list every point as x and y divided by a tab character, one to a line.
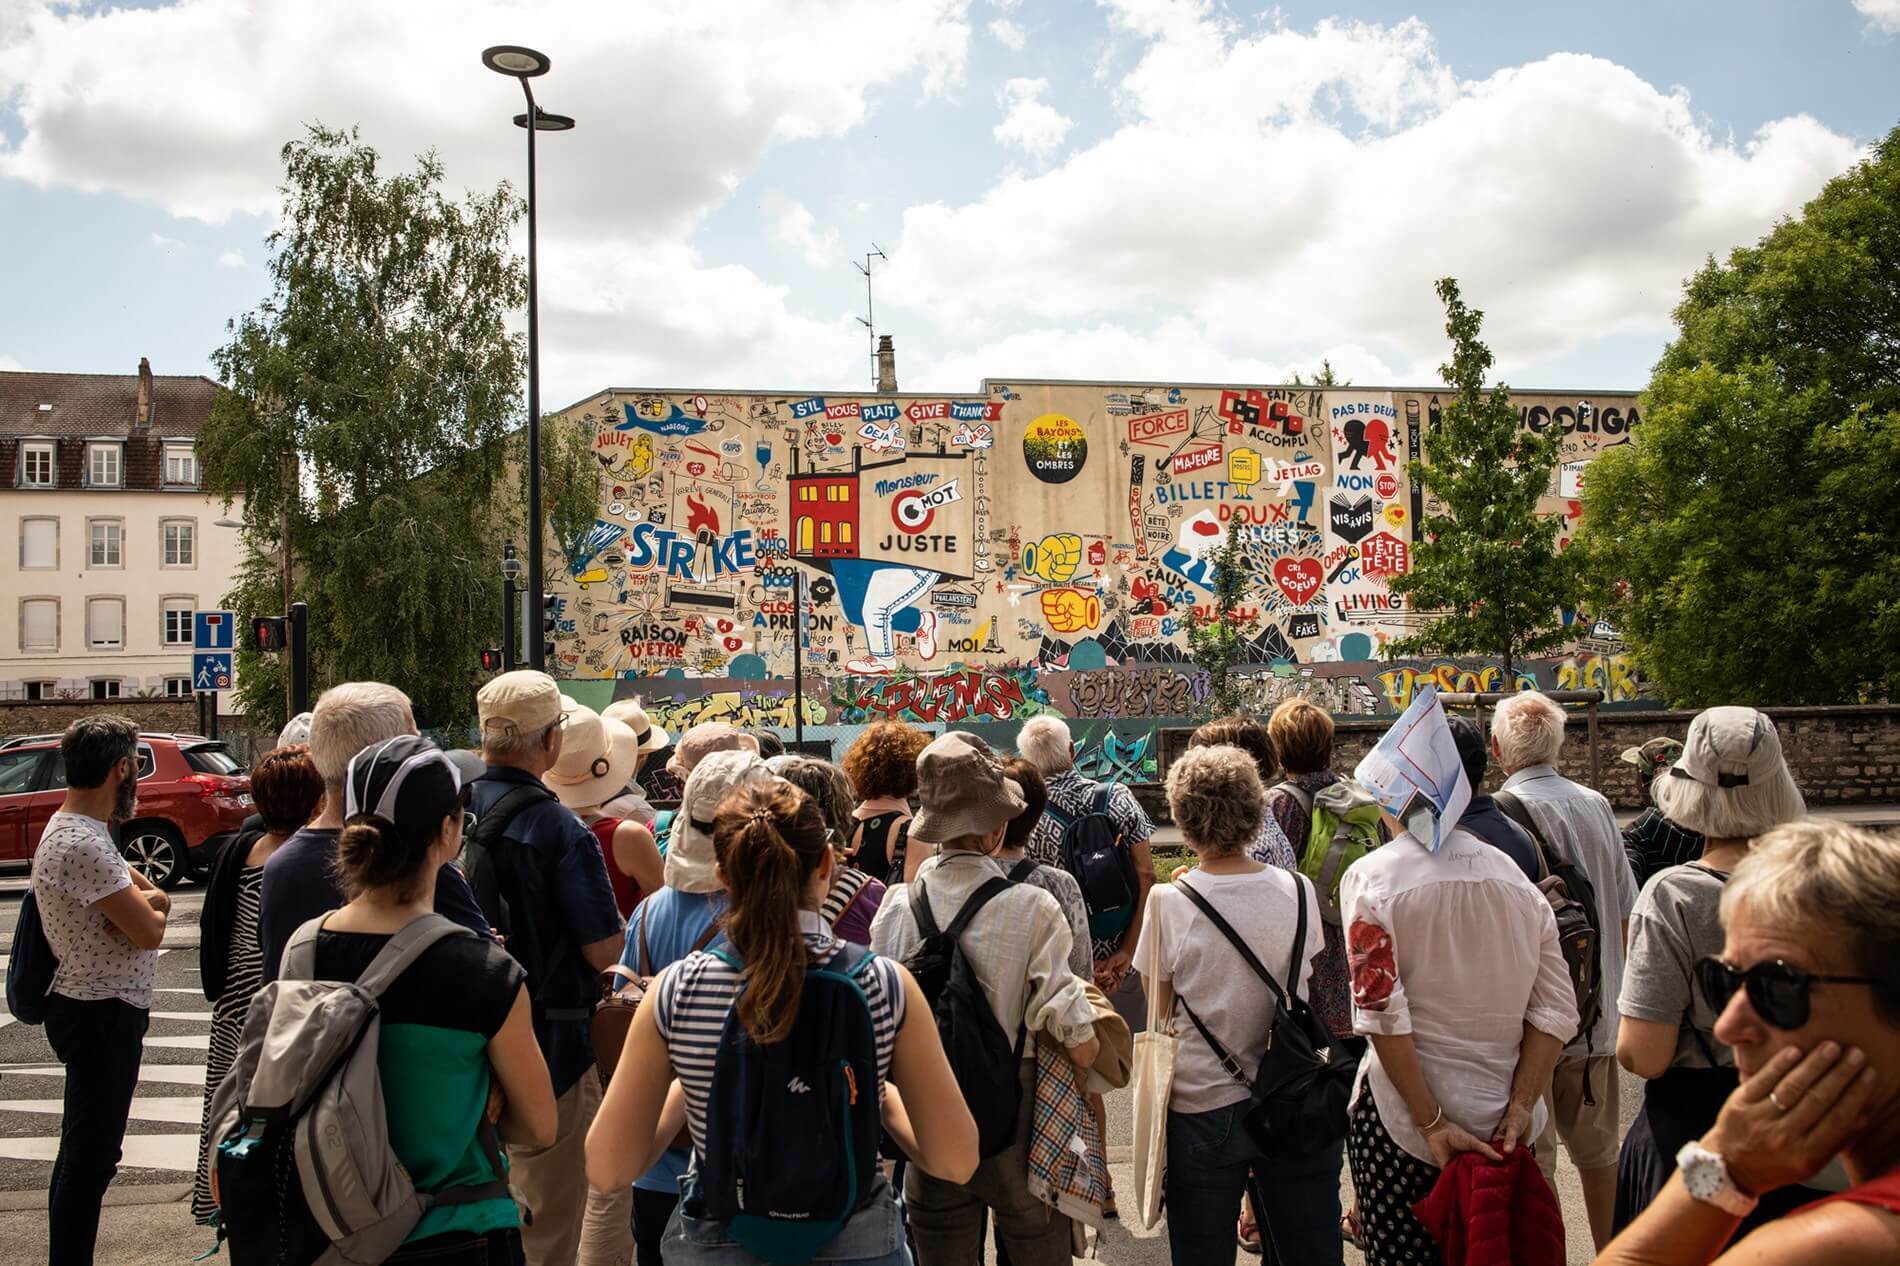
304	1163
1153	1084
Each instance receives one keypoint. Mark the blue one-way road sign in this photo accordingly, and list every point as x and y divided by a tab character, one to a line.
213	631
211	670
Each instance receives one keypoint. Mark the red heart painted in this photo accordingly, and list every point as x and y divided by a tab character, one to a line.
725	626
1206	527
734	643
695	469
1298	578
834	438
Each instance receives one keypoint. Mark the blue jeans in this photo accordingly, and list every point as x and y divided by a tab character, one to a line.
1210	1159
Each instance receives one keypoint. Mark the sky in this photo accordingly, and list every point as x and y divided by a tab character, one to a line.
1169	190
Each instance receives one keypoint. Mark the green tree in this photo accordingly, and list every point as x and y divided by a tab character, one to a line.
1326	377
1490	563
570	480
366	404
1220	643
1744	542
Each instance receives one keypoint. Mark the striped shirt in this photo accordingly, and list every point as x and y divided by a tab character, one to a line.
695	995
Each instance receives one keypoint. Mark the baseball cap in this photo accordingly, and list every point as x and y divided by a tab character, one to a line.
519	702
296	730
406	780
1729	747
961	790
1653	756
689	850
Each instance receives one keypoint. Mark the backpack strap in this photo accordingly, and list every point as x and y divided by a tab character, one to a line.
646	959
1022	870
1104	792
1226	929
403	949
1513	807
299	961
844	895
1299	793
927	923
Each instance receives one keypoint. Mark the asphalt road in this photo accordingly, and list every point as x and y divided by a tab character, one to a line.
148	1215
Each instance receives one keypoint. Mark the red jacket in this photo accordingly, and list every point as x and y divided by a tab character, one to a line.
1483	1213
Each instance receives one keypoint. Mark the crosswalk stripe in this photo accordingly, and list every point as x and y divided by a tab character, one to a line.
181	1015
167	1109
140	1151
170	1074
187	1042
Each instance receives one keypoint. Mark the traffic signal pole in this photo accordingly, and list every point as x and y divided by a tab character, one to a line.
299	624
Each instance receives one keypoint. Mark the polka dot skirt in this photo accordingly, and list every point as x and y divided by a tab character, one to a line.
1388	1180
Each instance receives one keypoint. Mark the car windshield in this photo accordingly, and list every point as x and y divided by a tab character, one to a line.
211	758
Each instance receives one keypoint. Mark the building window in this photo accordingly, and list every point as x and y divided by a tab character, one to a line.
106	539
39	544
178	614
178	687
105	687
39	624
105	624
844	534
39	691
181	466
36	464
104	464
824	532
808	493
181	542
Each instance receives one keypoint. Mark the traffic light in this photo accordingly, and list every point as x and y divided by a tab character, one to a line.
550	606
491	660
267	633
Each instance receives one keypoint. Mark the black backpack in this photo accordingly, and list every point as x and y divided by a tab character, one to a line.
1298	1097
31	965
985	1064
500	885
790	1149
1573	900
1094	852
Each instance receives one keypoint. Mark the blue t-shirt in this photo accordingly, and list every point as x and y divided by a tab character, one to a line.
300	884
678	920
565	902
1489	823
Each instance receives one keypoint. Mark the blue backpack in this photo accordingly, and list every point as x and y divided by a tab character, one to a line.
790	1149
31	966
1094	852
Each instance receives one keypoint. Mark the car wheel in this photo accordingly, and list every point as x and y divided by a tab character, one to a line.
156	849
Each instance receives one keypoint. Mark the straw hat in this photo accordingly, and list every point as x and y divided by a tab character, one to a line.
598	756
631	713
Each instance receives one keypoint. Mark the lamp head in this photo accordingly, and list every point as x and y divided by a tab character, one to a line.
515	61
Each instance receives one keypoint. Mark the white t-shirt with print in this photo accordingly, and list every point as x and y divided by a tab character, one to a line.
76	867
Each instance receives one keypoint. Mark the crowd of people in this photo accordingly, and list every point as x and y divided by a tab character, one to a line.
872	1008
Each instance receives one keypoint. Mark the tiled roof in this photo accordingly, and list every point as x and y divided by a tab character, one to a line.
101	404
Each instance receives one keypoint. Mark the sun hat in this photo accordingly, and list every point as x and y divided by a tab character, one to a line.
407	781
598	756
689	850
961	790
296	730
1653	756
633	714
1730	781
703	740
521	702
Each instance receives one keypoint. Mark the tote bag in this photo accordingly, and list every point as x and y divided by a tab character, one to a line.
1153	1082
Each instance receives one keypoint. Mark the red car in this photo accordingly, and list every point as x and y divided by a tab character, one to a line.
192	798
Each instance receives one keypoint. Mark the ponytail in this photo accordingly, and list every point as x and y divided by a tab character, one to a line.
373	852
769	839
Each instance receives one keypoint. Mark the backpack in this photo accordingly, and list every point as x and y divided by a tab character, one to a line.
489	863
791	1129
1297	1099
31	966
1573	900
1346	817
306	1174
1094	852
986	1065
663	828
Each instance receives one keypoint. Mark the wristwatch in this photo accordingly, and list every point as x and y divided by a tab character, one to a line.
1705	1176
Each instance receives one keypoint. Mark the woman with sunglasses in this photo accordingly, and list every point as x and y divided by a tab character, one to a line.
1807	989
1729	784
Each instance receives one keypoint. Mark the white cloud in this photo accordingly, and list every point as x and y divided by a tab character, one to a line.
164	243
1299	190
1029	124
231	259
8	363
795	226
1884	14
1009	34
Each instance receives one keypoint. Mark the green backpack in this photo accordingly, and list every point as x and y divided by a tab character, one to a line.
1342	827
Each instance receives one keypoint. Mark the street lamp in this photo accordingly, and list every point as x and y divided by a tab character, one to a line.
525	64
510	568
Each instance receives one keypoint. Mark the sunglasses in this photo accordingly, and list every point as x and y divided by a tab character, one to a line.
1780	994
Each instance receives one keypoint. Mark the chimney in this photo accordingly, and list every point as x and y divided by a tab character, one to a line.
142	416
886	366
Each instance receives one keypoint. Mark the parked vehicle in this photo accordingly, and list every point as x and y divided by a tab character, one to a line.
193	796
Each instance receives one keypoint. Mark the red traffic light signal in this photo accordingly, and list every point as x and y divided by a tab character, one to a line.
491	660
267	633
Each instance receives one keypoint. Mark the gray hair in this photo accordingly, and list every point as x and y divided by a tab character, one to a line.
93	744
1827	881
1529	729
826	784
1045	742
1217	799
350	717
505	747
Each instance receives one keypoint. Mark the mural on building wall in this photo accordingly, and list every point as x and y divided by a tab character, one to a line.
976	559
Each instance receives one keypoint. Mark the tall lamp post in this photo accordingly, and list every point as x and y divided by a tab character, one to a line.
510	568
525	64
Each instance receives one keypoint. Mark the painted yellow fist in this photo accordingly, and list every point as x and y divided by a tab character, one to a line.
1054	558
1071	610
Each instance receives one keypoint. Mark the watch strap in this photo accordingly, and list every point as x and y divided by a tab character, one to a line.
1705	1177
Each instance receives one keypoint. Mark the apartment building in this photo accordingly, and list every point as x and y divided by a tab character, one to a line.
116	543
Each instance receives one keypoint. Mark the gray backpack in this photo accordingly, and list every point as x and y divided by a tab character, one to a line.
305	1170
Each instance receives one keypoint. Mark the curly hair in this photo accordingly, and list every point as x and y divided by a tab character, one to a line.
883	762
1217	799
286	787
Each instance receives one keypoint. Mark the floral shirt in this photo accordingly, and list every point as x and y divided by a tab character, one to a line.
1332	984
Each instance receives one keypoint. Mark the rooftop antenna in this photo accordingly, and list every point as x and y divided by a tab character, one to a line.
869	319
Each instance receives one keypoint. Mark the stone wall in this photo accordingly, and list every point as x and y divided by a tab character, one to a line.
53	716
1839	756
